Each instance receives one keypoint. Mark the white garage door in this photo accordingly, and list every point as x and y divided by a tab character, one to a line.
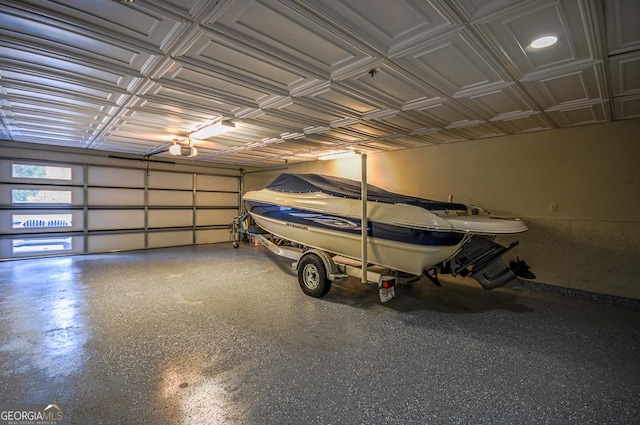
56	209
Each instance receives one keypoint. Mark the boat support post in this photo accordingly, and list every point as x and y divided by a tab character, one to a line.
364	224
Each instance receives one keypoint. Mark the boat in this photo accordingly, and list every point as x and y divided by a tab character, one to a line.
404	233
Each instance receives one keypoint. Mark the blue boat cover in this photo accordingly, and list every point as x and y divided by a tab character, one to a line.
345	188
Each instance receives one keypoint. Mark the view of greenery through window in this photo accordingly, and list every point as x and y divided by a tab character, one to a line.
40	172
37	196
41	220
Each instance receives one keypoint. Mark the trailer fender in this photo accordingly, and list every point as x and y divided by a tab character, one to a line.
333	274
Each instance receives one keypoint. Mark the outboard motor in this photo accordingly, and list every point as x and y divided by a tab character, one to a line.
481	259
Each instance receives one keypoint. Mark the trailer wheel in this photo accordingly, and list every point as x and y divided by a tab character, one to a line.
312	276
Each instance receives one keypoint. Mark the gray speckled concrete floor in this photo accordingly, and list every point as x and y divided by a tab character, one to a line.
216	335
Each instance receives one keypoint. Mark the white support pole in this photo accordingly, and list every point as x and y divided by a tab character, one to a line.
365	261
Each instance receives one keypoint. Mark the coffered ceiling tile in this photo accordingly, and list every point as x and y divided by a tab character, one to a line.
185	8
623	31
222	56
290	34
387	29
25	95
316	115
627	107
155	130
51	137
370	129
387	85
511	31
480	131
280	123
168	119
448	113
625	73
27	60
57	85
580	115
213	86
125	142
341	136
474	9
63	40
444	136
130	23
183	98
341	100
435	62
499	103
525	123
563	89
402	122
408	142
149	110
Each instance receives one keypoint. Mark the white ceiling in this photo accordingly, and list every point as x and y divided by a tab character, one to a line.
305	78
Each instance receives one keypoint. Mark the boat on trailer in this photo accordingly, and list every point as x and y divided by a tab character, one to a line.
403	233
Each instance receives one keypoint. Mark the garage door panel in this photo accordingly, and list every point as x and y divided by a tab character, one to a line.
115	177
170	218
53	208
213	199
212	236
215	217
173	198
115	219
164	239
124	242
217	183
115	197
166	180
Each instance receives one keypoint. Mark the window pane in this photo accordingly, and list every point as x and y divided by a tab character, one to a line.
30	221
41	245
40	172
36	196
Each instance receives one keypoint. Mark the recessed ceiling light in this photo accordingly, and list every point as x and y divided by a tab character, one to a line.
542	42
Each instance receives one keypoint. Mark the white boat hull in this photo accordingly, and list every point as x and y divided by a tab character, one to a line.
409	258
404	233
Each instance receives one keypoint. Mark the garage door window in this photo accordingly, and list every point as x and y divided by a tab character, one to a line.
39	221
36	245
27	171
37	196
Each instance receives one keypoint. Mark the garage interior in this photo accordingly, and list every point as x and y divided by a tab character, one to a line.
123	300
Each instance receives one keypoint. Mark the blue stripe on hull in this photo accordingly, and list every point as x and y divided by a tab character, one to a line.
353	226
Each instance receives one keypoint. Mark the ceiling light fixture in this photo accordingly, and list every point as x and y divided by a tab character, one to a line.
211	130
545	41
175	149
337	155
178	149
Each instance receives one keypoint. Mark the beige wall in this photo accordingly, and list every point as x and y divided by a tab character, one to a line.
591	173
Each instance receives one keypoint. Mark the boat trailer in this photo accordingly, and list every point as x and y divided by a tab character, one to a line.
478	258
317	269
